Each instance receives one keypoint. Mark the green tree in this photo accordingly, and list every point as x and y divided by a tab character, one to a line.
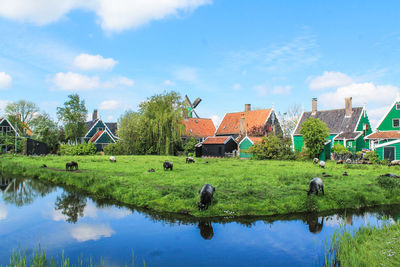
73	116
315	133
130	134
46	130
339	149
272	147
162	123
21	113
189	146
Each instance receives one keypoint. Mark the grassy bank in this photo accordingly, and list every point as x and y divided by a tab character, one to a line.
243	187
369	246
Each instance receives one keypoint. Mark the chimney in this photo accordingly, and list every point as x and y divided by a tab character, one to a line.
94	116
348	106
242	125
314	106
247	107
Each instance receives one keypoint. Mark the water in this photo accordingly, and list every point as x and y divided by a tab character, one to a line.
33	213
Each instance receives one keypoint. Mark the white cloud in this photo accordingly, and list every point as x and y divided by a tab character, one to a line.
5	80
169	83
94	62
3	211
216	120
85	232
282	90
329	79
71	81
117	213
109	105
261	90
114	15
90	211
237	86
187	74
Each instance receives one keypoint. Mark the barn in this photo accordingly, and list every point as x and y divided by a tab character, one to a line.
218	146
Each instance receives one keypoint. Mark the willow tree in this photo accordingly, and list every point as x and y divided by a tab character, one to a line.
162	123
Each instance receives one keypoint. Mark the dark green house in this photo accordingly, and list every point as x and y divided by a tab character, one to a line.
347	126
6	129
100	133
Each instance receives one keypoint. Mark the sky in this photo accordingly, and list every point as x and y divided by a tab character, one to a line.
117	53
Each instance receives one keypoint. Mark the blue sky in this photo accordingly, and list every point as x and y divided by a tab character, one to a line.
115	54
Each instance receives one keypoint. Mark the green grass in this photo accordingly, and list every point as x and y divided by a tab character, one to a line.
243	187
369	246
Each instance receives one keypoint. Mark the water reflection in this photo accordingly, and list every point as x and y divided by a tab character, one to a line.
71	205
206	230
85	232
314	225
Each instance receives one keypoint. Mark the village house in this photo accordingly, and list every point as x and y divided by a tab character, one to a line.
347	126
6	129
198	128
386	138
99	132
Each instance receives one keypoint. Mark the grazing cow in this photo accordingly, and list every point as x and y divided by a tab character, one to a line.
168	165
394	163
112	159
345	174
340	161
392	175
316	185
315	160
70	166
206	195
348	161
151	170
322	164
189	160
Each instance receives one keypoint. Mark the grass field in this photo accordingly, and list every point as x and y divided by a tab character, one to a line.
369	246
243	187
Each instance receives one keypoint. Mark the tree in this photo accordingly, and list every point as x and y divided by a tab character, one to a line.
289	119
162	123
272	147
190	144
129	132
315	134
73	116
46	130
21	113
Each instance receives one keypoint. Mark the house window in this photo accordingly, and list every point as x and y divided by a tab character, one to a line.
396	122
100	129
350	144
397	106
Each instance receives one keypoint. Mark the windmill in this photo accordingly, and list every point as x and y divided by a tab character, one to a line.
191	106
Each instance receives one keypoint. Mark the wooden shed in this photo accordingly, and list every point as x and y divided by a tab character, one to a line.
218	146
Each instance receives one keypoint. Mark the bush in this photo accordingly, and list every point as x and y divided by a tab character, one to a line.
272	147
189	146
339	149
372	156
117	148
80	149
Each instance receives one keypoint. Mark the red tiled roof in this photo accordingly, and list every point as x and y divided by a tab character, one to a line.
384	135
216	140
94	137
255	139
199	127
231	122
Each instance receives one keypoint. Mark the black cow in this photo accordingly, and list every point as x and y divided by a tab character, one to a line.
43	166
206	195
206	230
392	175
316	185
189	160
70	166
168	165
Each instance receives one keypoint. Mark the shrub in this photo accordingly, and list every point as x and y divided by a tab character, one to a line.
189	146
76	150
272	147
372	156
339	149
117	148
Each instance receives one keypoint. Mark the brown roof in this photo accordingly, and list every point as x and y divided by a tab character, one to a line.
255	139
94	137
335	119
216	140
348	136
231	122
384	135
199	127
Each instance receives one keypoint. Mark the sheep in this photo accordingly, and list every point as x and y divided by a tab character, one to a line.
112	159
43	166
151	170
326	175
168	165
206	195
394	163
345	174
392	175
189	160
315	160
340	161
316	185
70	166
348	161
322	164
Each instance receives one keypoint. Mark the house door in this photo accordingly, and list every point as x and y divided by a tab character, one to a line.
388	153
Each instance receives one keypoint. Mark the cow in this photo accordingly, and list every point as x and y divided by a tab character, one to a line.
112	159
70	166
206	230
168	165
345	174
206	195
189	160
316	185
43	166
392	175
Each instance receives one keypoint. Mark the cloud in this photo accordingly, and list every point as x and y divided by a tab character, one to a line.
329	79
169	83
3	211
85	232
261	90
114	15
5	80
71	81
187	74
94	62
109	105
237	86
282	90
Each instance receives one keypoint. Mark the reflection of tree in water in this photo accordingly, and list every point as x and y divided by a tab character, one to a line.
206	230
71	205
22	192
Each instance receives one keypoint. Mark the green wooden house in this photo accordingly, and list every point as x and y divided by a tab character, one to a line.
347	126
100	133
6	129
386	139
246	143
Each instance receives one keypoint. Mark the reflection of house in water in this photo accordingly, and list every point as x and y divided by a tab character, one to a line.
349	219
206	230
5	183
